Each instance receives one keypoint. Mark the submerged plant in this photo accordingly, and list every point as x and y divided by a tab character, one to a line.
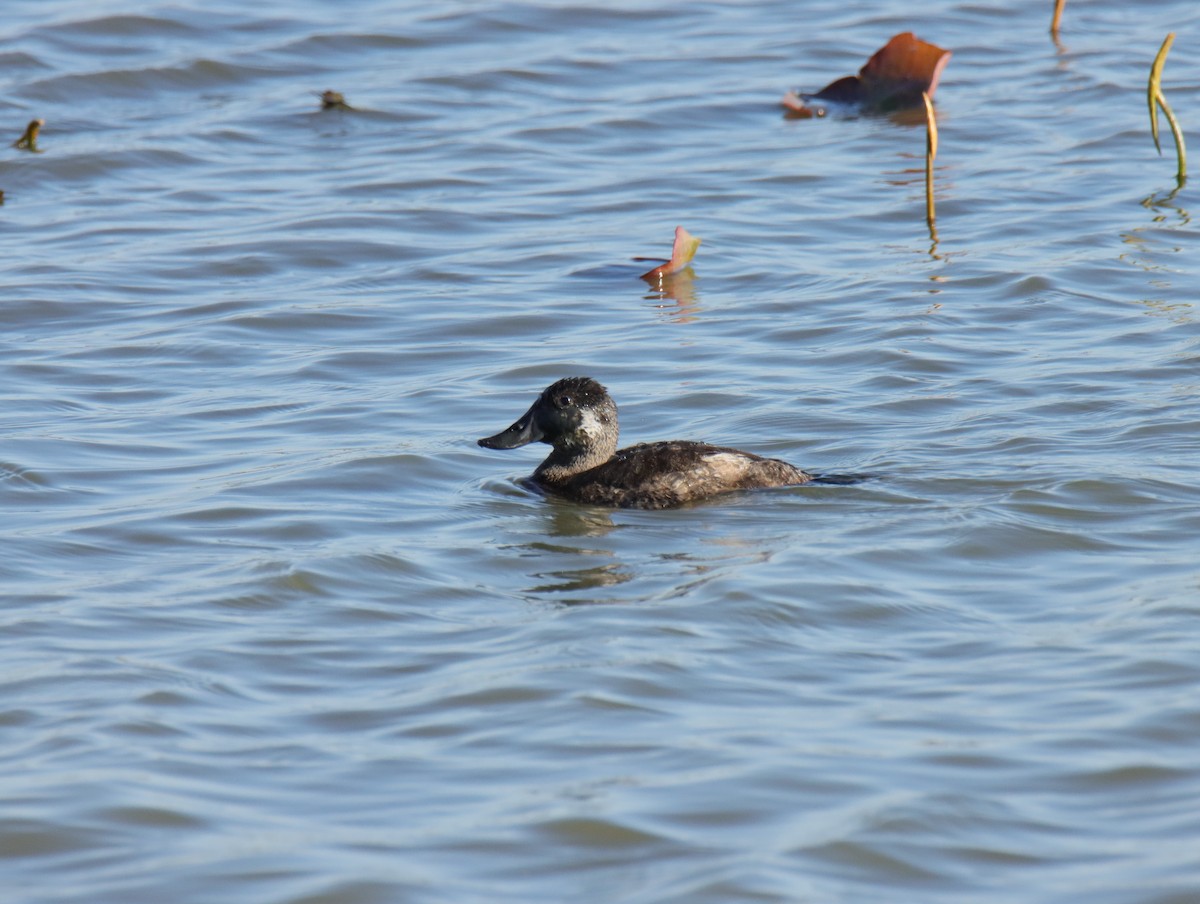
1056	20
28	139
682	252
892	79
1156	99
334	100
931	143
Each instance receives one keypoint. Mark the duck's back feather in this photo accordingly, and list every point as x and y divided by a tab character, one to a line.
665	474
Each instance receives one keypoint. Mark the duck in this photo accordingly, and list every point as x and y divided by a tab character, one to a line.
577	418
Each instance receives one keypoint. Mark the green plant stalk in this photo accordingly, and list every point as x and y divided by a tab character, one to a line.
931	143
1057	19
1156	100
1180	150
1154	86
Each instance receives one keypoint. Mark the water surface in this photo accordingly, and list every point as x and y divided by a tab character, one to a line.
276	630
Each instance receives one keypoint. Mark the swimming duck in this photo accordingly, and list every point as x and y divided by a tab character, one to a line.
578	419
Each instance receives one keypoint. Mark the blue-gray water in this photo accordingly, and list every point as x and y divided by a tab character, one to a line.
274	630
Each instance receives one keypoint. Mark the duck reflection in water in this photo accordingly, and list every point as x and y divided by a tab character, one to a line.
578	563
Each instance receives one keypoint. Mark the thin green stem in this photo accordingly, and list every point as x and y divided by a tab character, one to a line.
1180	150
1157	100
931	143
1057	20
1154	87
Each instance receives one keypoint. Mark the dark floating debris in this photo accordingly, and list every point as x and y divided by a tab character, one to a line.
28	139
334	100
893	79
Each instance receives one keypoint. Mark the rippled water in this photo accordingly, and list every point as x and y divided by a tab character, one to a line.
276	630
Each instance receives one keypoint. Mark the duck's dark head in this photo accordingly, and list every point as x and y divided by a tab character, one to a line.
574	415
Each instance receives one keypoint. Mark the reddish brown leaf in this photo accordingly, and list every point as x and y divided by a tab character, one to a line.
894	78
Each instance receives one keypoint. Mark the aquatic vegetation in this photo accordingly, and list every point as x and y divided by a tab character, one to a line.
1156	99
334	100
28	139
682	252
1056	19
893	79
931	145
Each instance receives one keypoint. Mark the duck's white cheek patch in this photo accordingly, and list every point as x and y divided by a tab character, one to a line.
590	424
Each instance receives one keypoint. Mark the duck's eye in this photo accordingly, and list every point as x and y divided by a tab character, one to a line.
564	401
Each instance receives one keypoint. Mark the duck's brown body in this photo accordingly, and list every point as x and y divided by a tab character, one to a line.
666	474
578	419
